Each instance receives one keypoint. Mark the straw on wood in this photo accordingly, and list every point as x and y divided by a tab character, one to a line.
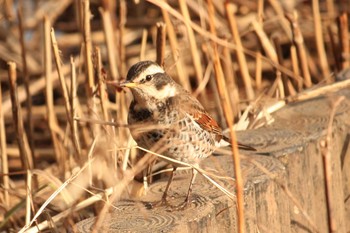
327	148
309	94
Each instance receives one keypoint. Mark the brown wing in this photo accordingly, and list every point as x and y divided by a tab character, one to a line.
206	122
190	105
194	108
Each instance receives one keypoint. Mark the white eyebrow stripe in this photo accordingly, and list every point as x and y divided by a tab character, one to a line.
153	70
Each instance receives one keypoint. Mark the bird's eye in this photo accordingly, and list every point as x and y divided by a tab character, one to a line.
148	77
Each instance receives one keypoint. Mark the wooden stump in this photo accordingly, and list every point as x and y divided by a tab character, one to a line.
290	197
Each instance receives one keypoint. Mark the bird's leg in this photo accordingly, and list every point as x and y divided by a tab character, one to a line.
165	194
187	201
163	201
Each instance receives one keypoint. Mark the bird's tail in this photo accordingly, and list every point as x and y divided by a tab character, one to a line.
227	142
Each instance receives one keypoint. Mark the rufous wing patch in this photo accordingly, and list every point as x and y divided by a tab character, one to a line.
207	123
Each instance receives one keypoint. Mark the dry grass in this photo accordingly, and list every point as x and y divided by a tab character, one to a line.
65	146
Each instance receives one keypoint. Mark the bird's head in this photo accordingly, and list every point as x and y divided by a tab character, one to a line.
147	79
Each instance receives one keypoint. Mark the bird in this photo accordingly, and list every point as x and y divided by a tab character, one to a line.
170	120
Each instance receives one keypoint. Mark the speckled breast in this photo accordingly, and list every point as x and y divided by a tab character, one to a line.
166	133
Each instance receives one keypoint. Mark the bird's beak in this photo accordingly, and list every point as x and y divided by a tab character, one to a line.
127	84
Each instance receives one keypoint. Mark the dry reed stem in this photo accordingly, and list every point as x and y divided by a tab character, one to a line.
10	51
219	41
52	9
240	54
4	160
319	91
35	87
198	8
120	98
286	81
327	166
64	89
258	71
82	205
260	11
265	42
229	74
320	42
295	66
183	76
334	46
330	9
301	51
30	122
207	74
60	74
161	39
109	40
60	152
61	215
276	5
29	199
101	85
8	6
343	26
143	44
271	53
89	69
122	22
192	40
224	97
73	102
25	153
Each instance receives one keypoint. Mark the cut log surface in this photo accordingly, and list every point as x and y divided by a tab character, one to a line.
284	191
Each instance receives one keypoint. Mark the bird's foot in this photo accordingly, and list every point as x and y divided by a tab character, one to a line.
183	206
152	205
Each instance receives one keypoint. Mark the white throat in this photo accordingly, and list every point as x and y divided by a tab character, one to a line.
166	92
